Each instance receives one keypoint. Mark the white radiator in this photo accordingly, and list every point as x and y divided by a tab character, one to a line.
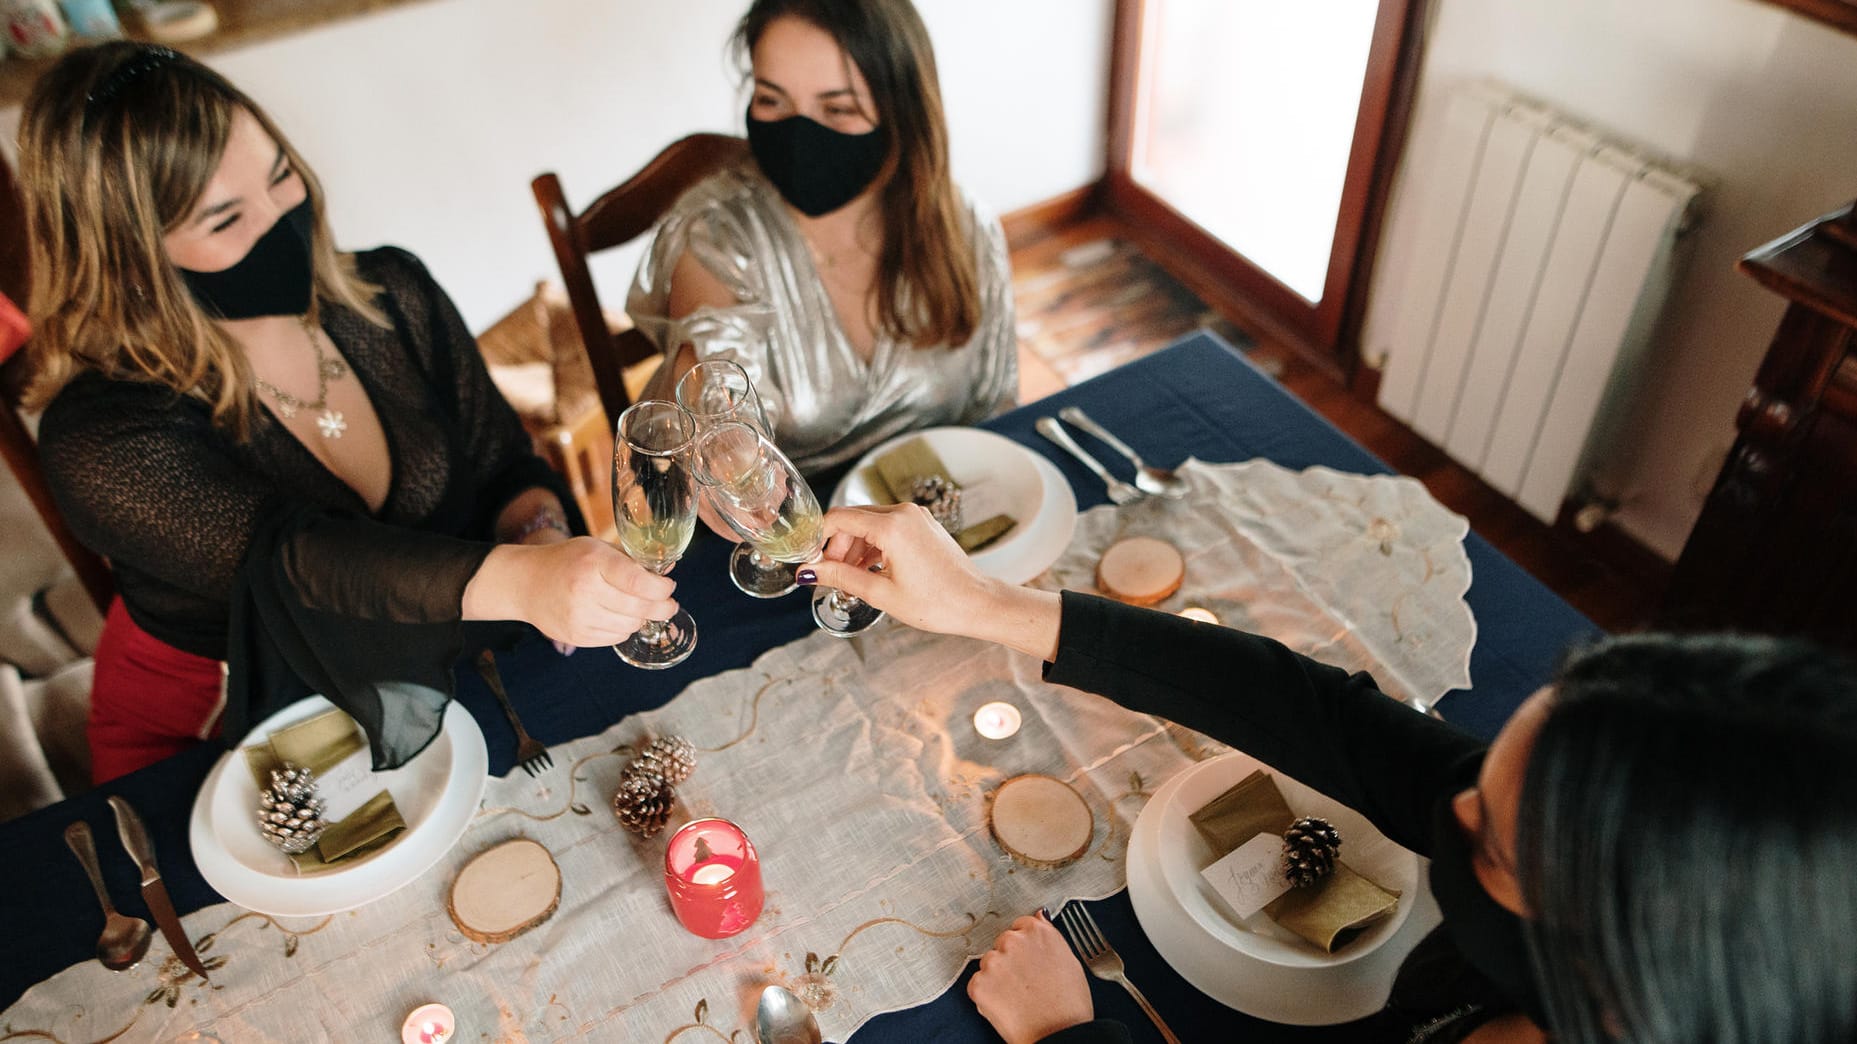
1533	280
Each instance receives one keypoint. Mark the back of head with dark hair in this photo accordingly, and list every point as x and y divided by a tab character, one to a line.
1688	843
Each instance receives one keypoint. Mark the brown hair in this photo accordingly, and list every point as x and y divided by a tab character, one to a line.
928	280
117	143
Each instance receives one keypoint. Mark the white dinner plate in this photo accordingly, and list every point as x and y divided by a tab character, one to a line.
997	476
1253	965
437	794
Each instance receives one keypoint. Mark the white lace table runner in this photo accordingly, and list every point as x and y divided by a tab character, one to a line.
855	768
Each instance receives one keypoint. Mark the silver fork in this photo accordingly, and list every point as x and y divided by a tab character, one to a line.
1120	492
530	754
1103	961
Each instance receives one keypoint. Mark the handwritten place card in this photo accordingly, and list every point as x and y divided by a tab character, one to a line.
1250	876
348	785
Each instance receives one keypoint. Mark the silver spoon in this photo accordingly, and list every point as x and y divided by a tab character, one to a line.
782	1018
1160	482
124	939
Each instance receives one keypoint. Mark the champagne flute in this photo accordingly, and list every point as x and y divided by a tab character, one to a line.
765	499
654	507
716	392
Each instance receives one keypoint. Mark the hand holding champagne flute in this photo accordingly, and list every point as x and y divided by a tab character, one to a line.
654	509
763	497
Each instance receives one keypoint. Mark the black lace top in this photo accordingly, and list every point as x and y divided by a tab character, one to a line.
180	508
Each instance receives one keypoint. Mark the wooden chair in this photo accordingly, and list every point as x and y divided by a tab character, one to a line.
619	216
16	443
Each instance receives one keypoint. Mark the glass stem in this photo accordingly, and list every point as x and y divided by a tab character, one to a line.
759	560
654	633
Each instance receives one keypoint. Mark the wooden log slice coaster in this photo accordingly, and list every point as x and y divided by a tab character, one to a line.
1040	821
504	891
1140	570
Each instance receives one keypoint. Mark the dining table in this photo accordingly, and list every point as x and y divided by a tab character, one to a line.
1198	398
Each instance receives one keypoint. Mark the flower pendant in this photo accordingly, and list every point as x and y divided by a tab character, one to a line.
331	424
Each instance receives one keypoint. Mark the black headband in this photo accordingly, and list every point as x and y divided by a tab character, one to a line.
151	57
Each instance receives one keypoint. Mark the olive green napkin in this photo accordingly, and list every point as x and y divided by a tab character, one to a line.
319	744
984	534
1331	912
1251	807
1334	910
890	477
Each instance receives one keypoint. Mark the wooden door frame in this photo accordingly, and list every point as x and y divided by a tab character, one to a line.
1327	334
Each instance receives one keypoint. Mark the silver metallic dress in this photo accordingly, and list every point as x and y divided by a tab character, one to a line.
826	404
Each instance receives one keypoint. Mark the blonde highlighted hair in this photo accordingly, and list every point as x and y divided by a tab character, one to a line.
117	144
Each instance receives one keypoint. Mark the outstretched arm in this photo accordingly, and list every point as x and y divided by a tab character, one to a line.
1324	726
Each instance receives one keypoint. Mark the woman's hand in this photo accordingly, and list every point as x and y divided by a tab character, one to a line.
553	533
1029	986
580	591
927	581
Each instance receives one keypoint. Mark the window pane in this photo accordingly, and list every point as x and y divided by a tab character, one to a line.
1245	120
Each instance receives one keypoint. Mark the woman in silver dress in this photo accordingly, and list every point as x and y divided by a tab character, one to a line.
842	268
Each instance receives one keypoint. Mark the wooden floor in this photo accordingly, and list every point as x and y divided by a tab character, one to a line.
1089	300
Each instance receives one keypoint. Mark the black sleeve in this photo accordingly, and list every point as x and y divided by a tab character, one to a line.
1329	729
1096	1031
498	447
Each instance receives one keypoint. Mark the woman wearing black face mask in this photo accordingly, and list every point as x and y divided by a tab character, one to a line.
293	458
1655	848
841	268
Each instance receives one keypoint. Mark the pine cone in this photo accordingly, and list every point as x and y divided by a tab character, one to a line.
289	812
672	757
1310	846
643	802
941	497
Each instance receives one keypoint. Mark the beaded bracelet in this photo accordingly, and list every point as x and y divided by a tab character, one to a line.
545	517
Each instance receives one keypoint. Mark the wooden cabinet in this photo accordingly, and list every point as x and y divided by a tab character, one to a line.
1775	550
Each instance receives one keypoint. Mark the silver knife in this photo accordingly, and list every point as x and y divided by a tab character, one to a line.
135	839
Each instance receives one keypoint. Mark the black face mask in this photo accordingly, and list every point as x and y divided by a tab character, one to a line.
1487	935
273	278
816	168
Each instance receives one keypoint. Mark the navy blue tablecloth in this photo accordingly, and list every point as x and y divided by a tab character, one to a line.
1197	398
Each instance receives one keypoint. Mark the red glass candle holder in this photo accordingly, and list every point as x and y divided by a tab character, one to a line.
713	877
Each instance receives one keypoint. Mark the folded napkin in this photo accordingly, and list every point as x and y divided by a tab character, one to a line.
1329	913
891	476
332	746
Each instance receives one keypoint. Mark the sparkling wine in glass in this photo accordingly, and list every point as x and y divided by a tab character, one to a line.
764	498
654	508
718	392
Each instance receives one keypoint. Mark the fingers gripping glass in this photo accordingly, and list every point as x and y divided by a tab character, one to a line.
764	499
654	508
719	392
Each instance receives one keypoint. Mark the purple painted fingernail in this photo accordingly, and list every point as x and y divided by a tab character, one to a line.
806	578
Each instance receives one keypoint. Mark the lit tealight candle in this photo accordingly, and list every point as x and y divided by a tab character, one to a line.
711	873
428	1024
1203	615
996	721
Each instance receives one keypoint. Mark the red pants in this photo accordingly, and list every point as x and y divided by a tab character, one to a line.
148	700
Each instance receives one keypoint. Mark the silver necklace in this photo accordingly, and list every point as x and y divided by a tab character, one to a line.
328	368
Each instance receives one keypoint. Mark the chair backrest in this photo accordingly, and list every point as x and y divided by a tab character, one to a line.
16	443
619	216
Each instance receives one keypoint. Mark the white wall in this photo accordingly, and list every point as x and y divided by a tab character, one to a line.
1764	100
427	122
